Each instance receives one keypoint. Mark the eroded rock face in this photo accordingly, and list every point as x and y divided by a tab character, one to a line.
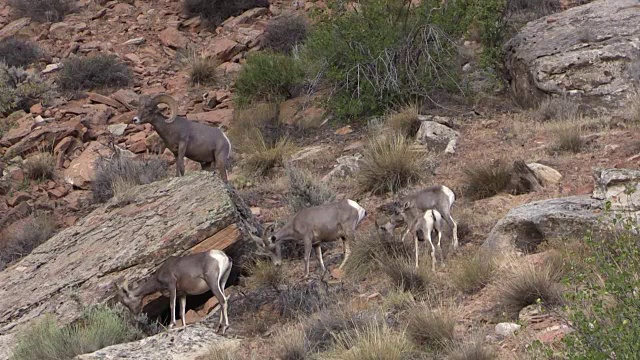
176	216
590	51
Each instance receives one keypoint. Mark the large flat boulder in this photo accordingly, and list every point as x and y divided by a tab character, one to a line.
590	51
78	266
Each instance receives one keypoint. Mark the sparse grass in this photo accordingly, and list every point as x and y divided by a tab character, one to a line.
286	32
260	118
556	109
472	272
390	164
372	342
305	190
215	12
31	232
265	156
292	344
99	327
302	300
528	283
203	71
121	173
430	328
265	273
486	179
471	350
20	89
268	76
219	352
42	10
40	167
18	53
568	138
405	121
404	276
323	329
369	249
97	72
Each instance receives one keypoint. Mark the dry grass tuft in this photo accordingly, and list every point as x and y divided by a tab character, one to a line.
557	109
40	167
634	109
373	342
292	344
404	276
486	179
568	138
390	164
472	350
429	327
471	272
266	156
265	273
405	121
371	249
219	352
203	71
529	283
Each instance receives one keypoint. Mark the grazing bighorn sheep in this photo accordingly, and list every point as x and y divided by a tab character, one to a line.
438	197
199	142
180	276
315	225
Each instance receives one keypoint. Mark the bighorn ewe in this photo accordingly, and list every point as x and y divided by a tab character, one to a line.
315	225
199	142
438	197
192	274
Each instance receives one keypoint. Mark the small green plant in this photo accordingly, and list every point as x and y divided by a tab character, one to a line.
96	72
390	164
15	52
215	12
19	90
486	179
268	76
305	190
99	327
284	33
40	166
430	328
42	10
472	272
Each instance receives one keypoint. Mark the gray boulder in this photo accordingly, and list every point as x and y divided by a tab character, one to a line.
589	51
437	137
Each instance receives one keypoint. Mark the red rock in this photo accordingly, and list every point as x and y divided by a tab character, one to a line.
25	125
138	147
218	117
126	97
192	317
124	118
81	171
173	38
61	149
344	130
137	137
58	192
17	198
101	99
76	199
16	174
69	220
224	49
337	273
36	109
13	27
208	306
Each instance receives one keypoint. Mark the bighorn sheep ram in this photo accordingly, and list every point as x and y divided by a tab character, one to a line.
199	142
438	197
315	225
192	274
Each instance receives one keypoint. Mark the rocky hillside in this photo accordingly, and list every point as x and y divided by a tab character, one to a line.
88	198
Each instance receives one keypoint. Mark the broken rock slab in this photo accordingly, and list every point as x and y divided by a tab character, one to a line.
81	171
78	266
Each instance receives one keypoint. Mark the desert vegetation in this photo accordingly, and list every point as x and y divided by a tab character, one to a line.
96	72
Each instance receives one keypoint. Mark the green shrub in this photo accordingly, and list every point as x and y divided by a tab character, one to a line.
305	190
99	327
215	12
42	10
284	33
121	173
18	53
19	90
390	164
87	73
268	76
605	308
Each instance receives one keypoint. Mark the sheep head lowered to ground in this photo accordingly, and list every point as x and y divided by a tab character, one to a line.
202	143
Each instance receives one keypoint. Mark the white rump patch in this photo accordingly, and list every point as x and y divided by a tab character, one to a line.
361	212
450	195
228	142
223	262
432	215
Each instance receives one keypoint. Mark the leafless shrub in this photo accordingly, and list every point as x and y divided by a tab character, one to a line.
19	53
22	239
303	300
557	109
42	10
41	166
284	33
306	190
95	72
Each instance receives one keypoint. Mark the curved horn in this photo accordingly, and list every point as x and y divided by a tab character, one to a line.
173	105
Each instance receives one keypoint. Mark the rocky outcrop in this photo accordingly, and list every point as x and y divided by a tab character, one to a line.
437	137
590	51
78	266
178	344
526	226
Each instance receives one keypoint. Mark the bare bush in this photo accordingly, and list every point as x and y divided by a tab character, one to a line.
305	190
214	12
486	179
557	109
100	71
284	33
122	172
21	239
19	53
41	166
42	10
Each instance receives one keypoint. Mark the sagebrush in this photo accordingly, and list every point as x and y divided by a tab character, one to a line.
24	236
214	12
15	52
306	190
96	72
286	32
42	10
19	90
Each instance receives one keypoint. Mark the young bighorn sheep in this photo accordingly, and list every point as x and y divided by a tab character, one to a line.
438	197
199	142
192	274
315	225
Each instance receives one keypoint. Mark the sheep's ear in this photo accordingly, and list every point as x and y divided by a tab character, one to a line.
406	205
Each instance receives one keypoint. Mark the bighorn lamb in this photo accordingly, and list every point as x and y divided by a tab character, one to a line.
199	142
438	197
315	225
192	274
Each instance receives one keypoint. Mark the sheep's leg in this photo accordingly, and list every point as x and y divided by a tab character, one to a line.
222	169
307	254
182	149
214	285
446	215
439	230
172	304
433	252
183	308
415	245
319	257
